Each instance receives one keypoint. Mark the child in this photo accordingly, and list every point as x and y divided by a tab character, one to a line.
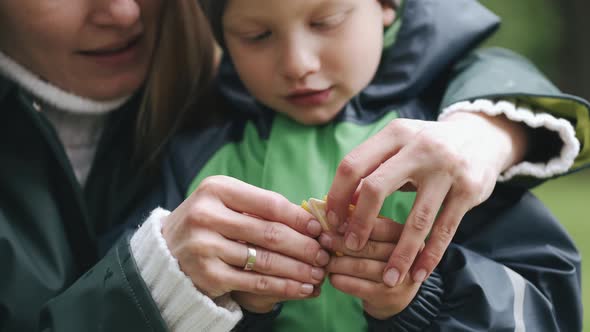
322	86
260	75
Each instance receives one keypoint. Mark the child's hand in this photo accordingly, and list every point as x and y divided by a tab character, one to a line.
359	273
262	304
455	162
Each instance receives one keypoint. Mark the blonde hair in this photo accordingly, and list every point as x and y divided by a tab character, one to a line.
214	10
181	71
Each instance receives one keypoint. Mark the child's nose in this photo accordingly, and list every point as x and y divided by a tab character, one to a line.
299	61
116	13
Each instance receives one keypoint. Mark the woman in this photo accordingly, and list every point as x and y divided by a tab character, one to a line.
81	113
91	90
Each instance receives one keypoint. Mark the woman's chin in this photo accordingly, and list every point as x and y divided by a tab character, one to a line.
107	92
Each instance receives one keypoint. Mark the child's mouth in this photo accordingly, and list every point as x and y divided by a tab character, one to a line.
309	97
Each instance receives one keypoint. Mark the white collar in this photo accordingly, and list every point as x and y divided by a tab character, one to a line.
53	95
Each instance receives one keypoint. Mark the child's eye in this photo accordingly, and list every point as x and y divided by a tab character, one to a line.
253	38
330	21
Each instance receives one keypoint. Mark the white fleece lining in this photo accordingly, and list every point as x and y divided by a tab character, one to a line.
183	307
53	95
521	113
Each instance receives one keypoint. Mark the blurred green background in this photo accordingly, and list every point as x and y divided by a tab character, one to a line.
553	35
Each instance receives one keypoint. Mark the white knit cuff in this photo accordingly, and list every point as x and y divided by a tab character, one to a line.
521	113
182	306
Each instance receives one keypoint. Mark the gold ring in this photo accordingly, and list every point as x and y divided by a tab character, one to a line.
250	259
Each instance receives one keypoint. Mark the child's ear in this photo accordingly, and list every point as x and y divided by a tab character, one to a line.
388	14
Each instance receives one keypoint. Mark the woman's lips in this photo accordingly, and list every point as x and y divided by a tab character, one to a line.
115	55
309	97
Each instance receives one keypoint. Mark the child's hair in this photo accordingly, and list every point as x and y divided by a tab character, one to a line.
213	10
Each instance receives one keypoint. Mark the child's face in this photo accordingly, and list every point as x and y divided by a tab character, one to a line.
306	58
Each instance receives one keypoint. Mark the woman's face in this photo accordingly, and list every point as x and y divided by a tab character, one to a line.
98	49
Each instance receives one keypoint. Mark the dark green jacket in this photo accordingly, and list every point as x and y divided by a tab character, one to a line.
52	277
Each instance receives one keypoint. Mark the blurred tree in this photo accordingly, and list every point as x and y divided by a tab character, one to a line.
531	28
551	34
575	47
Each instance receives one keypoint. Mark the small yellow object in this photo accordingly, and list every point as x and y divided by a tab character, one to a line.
317	208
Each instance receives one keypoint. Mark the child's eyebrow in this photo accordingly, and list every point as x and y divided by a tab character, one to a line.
245	16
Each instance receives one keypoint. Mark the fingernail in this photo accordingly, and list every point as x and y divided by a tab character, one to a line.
317	291
420	275
391	276
306	289
317	274
314	228
352	241
322	258
342	229
326	241
332	218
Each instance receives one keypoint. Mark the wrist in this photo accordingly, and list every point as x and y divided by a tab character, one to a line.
254	303
258	322
510	138
402	301
258	308
419	314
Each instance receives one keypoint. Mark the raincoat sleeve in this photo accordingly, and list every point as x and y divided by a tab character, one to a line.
497	81
511	267
109	297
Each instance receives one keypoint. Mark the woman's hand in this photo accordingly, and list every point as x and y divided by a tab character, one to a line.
451	164
360	273
209	234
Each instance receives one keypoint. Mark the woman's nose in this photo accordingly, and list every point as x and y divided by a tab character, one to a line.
119	13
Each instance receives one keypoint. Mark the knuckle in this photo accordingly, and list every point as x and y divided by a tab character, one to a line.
453	159
371	249
210	274
349	166
264	260
396	127
432	257
467	186
275	206
374	186
301	220
355	288
290	289
203	217
430	145
310	251
262	284
459	162
404	258
197	213
444	233
200	245
434	151
359	226
211	184
332	196
422	219
272	233
359	266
